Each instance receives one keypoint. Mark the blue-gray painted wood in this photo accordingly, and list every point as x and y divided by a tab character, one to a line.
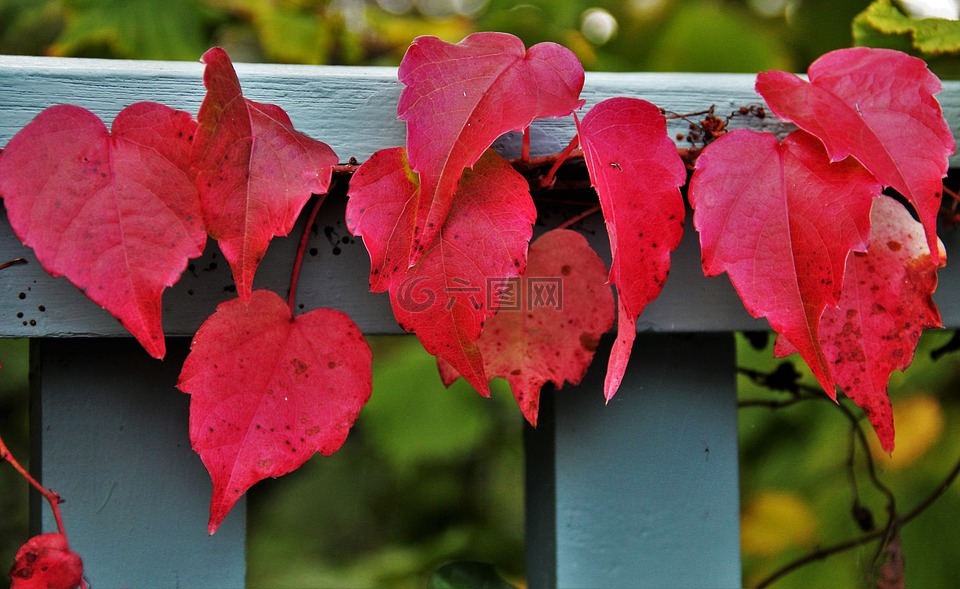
642	492
110	435
354	110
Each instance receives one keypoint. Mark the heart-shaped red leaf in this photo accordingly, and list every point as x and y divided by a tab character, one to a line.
885	305
877	105
459	98
116	213
549	321
255	171
46	562
780	219
637	173
269	390
445	298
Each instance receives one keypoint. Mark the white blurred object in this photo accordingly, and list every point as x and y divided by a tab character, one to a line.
598	25
949	9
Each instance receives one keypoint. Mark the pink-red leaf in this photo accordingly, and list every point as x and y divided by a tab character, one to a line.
269	390
46	562
780	219
885	305
459	98
877	105
549	322
637	172
445	298
255	171
116	213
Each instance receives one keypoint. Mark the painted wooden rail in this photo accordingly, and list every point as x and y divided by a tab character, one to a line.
642	492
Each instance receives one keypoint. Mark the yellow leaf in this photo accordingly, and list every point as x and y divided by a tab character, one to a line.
776	520
919	423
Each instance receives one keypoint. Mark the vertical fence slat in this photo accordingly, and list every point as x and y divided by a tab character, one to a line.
642	492
110	435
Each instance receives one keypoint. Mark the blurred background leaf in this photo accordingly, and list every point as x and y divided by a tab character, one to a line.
935	39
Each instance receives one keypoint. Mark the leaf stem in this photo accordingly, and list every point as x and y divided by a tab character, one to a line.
576	218
51	496
562	157
298	260
12	262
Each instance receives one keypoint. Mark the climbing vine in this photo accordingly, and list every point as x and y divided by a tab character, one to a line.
843	271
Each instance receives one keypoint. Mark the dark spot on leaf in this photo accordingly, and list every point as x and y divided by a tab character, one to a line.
589	341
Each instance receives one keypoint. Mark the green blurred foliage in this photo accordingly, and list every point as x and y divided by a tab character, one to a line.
14	427
803	450
634	35
936	40
431	475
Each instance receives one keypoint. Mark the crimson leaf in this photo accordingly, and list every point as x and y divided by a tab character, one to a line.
459	98
445	298
46	562
115	212
268	390
549	321
255	171
886	303
637	172
877	105
780	219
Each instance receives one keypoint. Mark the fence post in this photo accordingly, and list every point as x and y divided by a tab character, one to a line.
642	492
110	435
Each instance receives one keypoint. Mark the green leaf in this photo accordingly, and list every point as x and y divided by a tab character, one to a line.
883	25
468	575
135	29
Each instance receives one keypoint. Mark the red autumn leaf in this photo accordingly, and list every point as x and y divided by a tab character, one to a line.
780	219
255	171
549	322
115	212
268	390
877	105
458	99
46	562
637	173
445	298
885	305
